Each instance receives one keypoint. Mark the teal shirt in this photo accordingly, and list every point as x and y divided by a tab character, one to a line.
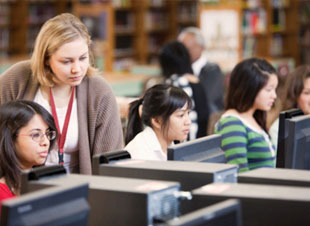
248	148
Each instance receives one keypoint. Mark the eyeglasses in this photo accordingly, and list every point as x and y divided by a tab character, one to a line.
38	136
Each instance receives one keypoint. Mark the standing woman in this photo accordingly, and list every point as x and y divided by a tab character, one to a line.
157	119
60	77
27	133
251	93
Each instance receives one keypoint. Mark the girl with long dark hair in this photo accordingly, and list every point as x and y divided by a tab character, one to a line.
157	119
251	93
27	133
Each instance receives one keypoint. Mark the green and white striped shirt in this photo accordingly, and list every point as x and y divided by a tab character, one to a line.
245	146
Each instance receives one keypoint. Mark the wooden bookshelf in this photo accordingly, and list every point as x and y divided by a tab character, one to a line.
99	19
304	31
268	28
184	13
137	29
21	21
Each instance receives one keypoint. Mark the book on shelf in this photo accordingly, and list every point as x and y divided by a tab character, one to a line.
186	12
278	20
96	25
156	3
93	1
4	42
254	21
276	45
38	14
155	42
4	14
253	3
124	21
280	3
249	45
122	3
155	20
32	33
304	13
123	45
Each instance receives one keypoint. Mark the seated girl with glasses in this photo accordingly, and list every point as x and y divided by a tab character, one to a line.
27	133
157	119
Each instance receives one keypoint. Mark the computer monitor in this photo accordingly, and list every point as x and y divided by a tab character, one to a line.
114	200
276	176
225	213
190	175
61	206
283	133
297	149
204	149
266	205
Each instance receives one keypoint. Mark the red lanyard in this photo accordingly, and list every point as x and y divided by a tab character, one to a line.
62	135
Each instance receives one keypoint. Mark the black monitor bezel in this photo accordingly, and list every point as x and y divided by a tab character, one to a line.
210	213
32	203
179	151
283	133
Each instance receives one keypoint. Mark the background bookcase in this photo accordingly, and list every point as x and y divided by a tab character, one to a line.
138	27
273	29
99	19
20	21
304	31
149	24
268	29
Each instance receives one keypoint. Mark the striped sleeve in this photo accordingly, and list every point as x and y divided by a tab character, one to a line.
234	141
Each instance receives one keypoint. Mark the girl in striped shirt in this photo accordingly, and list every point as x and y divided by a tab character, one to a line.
251	93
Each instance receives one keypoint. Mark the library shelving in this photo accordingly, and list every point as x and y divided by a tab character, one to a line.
161	21
265	28
20	21
304	31
99	19
186	13
142	27
138	28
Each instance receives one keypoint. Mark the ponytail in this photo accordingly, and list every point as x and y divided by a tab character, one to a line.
159	101
134	125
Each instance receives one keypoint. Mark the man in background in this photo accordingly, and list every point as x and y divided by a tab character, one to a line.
210	74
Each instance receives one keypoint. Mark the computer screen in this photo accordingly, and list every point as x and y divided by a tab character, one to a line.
297	149
225	213
56	206
283	133
204	149
114	200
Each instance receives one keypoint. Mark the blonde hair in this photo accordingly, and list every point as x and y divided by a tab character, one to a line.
56	32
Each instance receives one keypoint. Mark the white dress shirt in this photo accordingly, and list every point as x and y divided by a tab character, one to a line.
145	146
199	64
